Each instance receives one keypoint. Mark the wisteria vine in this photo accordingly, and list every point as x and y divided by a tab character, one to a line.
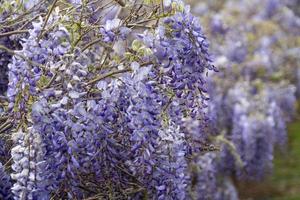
122	99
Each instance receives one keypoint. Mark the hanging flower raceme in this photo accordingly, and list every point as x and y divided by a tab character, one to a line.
171	177
30	166
258	126
26	70
208	180
181	51
5	184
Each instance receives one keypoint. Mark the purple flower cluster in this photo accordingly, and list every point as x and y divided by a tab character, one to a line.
120	100
30	166
5	184
26	68
208	180
118	129
255	122
181	51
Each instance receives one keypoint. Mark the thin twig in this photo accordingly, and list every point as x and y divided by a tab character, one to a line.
139	26
120	2
47	18
5	125
103	76
4	117
50	82
108	75
13	33
109	48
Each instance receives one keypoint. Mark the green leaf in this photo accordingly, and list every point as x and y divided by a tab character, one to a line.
43	81
136	45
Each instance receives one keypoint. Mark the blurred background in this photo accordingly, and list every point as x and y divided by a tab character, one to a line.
258	41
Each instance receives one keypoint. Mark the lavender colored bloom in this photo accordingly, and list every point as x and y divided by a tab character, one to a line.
227	191
285	97
24	75
107	31
171	177
253	139
181	51
238	53
5	184
271	7
279	125
29	166
204	177
217	25
143	122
